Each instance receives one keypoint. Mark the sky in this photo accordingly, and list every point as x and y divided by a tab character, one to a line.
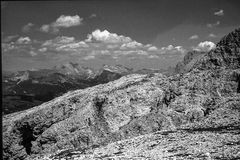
134	33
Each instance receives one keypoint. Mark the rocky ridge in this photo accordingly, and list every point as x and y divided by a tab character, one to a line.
195	115
188	61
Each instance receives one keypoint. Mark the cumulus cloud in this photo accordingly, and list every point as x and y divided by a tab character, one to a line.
88	57
180	49
211	35
44	49
23	40
68	21
105	52
132	45
170	49
113	41
205	46
60	40
26	28
22	46
98	44
64	43
153	56
62	22
141	52
8	46
93	15
45	28
72	46
112	46
32	53
194	37
107	37
121	52
219	13
152	48
211	25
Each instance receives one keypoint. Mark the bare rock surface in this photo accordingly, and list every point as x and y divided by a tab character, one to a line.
226	53
195	115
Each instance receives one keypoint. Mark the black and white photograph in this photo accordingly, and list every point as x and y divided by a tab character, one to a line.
120	80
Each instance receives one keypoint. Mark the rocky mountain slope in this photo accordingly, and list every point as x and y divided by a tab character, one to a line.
188	61
195	115
25	89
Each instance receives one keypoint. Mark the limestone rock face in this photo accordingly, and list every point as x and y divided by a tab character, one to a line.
82	118
188	61
226	54
126	118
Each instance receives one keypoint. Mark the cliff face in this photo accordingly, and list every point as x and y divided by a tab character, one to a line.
204	99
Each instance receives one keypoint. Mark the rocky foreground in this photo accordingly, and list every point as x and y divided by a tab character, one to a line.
195	115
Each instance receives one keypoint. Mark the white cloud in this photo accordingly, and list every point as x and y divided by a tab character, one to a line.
93	15
100	44
120	52
153	56
194	37
152	48
64	39
205	46
22	43
32	53
112	46
26	28
107	37
8	46
180	49
68	21
211	35
58	41
45	28
72	46
64	43
89	57
211	25
105	52
23	40
141	52
148	45
170	49
62	22
44	49
131	45
219	13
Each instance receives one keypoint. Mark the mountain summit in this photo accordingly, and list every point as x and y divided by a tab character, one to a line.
226	54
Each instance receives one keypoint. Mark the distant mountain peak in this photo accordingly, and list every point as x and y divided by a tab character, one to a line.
116	68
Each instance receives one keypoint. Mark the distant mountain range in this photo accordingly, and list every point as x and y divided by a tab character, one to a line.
25	89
